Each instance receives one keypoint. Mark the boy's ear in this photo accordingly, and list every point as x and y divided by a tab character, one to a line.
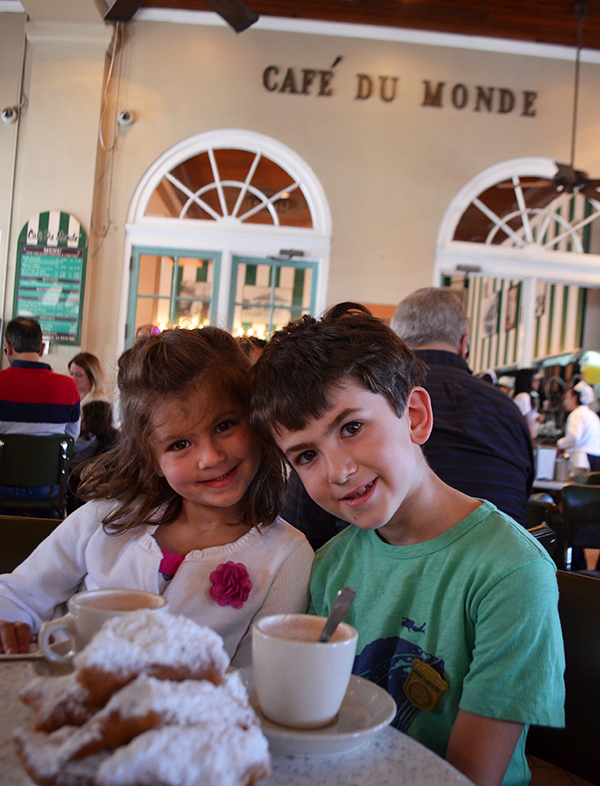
420	415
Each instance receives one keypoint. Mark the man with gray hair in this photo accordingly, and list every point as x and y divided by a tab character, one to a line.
480	443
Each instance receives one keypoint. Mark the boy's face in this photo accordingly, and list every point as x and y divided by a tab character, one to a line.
360	461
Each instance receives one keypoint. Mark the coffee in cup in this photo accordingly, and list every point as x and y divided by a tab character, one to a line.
88	611
301	682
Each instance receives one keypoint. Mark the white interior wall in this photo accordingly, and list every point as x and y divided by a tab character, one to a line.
389	170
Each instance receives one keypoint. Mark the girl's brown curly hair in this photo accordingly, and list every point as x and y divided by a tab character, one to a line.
163	367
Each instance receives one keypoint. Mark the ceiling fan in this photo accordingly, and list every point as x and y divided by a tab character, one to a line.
568	179
234	12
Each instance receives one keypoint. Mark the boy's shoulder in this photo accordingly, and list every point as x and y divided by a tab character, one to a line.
486	534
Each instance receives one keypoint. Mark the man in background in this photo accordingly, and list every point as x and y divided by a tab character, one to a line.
480	443
33	399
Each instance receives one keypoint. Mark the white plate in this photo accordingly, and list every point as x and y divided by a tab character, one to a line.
366	709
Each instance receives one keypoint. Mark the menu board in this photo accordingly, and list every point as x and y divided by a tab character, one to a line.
50	275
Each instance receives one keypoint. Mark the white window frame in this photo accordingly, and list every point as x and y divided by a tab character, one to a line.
529	264
228	236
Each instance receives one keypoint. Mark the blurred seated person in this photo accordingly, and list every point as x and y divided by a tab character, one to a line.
33	398
88	374
98	435
523	398
97	431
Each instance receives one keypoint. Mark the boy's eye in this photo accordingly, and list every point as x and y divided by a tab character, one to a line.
181	444
224	426
306	457
352	428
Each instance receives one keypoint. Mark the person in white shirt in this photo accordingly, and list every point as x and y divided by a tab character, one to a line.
582	429
524	401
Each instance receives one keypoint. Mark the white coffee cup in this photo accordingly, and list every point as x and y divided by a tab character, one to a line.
301	682
88	611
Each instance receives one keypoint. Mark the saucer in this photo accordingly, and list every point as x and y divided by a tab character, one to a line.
366	709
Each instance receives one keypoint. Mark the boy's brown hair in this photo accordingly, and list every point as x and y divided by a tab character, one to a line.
304	360
164	368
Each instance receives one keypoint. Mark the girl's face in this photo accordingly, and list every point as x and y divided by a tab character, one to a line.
206	451
81	379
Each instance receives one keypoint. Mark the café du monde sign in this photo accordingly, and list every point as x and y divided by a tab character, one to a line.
436	93
50	275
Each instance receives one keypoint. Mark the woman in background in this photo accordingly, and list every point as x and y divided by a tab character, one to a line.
88	374
524	400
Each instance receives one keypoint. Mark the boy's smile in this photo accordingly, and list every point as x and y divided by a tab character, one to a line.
362	463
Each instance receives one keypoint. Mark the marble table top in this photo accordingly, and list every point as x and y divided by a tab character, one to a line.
390	758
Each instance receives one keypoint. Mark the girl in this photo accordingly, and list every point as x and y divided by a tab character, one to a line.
185	504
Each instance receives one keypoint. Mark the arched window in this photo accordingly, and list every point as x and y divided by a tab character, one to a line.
230	228
526	255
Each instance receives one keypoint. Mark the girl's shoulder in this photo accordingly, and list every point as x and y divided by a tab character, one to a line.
92	514
282	536
280	529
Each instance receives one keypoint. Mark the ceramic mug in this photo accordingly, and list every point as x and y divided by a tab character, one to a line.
301	682
88	611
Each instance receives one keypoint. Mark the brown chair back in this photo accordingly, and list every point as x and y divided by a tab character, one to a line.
575	748
581	515
19	536
544	522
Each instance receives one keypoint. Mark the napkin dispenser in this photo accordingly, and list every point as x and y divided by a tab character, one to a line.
546	459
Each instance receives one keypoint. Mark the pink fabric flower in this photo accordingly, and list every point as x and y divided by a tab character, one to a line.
231	584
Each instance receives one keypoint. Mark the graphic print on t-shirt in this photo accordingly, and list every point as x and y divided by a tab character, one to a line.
387	663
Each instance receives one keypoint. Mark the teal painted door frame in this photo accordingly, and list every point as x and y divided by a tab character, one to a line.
275	265
175	254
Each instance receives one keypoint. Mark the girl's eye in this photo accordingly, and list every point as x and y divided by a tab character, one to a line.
181	444
306	457
224	426
352	428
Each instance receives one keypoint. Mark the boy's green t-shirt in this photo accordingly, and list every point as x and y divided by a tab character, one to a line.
479	604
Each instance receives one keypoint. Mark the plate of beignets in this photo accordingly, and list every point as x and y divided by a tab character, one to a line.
150	701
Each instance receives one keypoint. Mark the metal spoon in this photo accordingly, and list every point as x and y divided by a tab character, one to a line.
341	605
36	655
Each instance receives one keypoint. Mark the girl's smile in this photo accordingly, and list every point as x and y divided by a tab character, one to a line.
207	452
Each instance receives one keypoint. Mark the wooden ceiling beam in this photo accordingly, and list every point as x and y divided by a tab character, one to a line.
540	21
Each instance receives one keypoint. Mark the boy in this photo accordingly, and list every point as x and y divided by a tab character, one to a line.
456	604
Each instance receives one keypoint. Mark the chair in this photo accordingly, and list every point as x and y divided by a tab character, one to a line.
544	522
575	748
588	478
581	516
19	536
30	460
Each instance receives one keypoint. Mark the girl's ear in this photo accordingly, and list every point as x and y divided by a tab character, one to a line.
419	414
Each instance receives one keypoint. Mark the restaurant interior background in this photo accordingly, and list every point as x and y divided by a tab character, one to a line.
246	178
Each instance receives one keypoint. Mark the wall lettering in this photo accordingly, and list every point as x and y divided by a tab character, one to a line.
499	100
299	81
436	94
387	87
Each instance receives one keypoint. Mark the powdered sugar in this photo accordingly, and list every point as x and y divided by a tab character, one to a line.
184	702
210	755
146	638
57	701
147	723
